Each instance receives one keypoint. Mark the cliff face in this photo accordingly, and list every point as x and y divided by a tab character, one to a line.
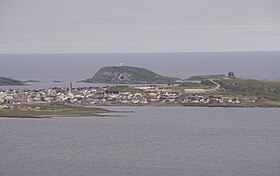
129	75
9	82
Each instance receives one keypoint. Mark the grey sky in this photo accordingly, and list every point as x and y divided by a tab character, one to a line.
62	26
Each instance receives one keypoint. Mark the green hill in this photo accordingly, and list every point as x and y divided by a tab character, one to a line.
129	75
203	77
10	82
232	86
258	88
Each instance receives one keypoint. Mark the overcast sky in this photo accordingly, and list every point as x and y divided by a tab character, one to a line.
66	26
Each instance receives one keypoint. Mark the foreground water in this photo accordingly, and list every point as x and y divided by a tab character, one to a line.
151	141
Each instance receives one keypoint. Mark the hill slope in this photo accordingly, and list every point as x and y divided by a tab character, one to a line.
258	88
233	86
9	82
129	75
203	77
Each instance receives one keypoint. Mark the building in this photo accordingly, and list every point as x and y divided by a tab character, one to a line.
119	65
231	74
70	88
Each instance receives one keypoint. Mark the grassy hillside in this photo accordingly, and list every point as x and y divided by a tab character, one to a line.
50	111
205	77
232	86
9	82
249	87
129	75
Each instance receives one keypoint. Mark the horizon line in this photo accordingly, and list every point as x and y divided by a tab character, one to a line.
163	52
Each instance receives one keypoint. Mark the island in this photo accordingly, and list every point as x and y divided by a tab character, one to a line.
4	81
129	75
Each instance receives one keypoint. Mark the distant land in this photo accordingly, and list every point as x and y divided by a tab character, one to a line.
50	110
31	81
234	86
221	90
129	75
4	81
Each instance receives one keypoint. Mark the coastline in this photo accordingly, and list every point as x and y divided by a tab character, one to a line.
80	111
52	111
51	117
191	105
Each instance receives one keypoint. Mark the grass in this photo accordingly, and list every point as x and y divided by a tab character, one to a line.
132	75
205	77
251	88
51	111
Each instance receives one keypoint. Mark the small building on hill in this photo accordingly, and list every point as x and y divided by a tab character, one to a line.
231	74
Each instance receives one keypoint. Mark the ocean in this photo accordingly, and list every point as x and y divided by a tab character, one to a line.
75	67
158	141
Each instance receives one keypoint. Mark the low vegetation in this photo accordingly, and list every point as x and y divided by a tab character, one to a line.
206	77
129	75
247	87
47	110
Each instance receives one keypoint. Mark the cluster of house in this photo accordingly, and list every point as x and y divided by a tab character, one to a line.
153	94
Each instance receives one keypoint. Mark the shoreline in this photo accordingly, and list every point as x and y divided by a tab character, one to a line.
81	115
56	116
25	117
183	105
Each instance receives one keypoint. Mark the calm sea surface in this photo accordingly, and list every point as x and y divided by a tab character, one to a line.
75	67
156	141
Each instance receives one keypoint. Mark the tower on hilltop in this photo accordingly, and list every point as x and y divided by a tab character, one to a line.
119	65
231	74
70	88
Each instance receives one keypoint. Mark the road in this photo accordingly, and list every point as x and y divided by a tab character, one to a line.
215	88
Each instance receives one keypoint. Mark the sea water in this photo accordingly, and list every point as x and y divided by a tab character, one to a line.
157	141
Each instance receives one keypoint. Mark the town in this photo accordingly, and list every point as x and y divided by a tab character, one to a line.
118	95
